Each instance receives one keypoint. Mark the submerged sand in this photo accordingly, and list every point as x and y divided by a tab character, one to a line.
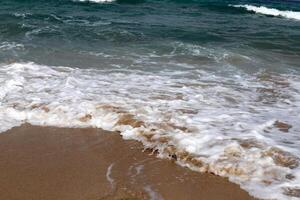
49	163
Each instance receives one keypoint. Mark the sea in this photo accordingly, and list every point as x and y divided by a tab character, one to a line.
212	84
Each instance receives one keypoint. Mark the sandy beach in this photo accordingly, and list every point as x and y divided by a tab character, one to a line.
46	163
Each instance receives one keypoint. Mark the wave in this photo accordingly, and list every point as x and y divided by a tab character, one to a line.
4	46
270	11
211	123
96	1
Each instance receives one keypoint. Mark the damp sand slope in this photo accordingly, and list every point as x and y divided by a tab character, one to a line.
91	164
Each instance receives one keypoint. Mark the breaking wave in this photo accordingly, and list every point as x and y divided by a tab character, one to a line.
4	46
243	127
96	1
270	11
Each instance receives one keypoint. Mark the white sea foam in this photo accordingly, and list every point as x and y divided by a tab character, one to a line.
152	194
271	11
96	1
23	15
228	125
108	176
4	46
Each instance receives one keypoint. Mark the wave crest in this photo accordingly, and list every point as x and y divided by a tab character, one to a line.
96	1
270	11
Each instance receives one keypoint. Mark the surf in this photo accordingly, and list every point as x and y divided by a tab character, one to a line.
270	11
198	124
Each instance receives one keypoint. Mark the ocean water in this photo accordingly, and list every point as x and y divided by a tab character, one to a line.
212	84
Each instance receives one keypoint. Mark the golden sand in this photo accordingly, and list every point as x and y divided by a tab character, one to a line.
48	163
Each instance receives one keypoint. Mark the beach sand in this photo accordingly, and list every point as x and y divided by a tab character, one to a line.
49	163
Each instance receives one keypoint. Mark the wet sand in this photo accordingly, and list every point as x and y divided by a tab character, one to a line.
48	163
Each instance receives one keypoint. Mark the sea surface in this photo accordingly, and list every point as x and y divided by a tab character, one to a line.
211	84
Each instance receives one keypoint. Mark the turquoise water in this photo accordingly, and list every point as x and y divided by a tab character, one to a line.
217	83
62	32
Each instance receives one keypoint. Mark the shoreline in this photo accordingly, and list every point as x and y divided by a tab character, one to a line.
92	164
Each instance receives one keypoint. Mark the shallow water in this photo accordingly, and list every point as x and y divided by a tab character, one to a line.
212	84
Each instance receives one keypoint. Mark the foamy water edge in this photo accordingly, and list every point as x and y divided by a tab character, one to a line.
161	116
